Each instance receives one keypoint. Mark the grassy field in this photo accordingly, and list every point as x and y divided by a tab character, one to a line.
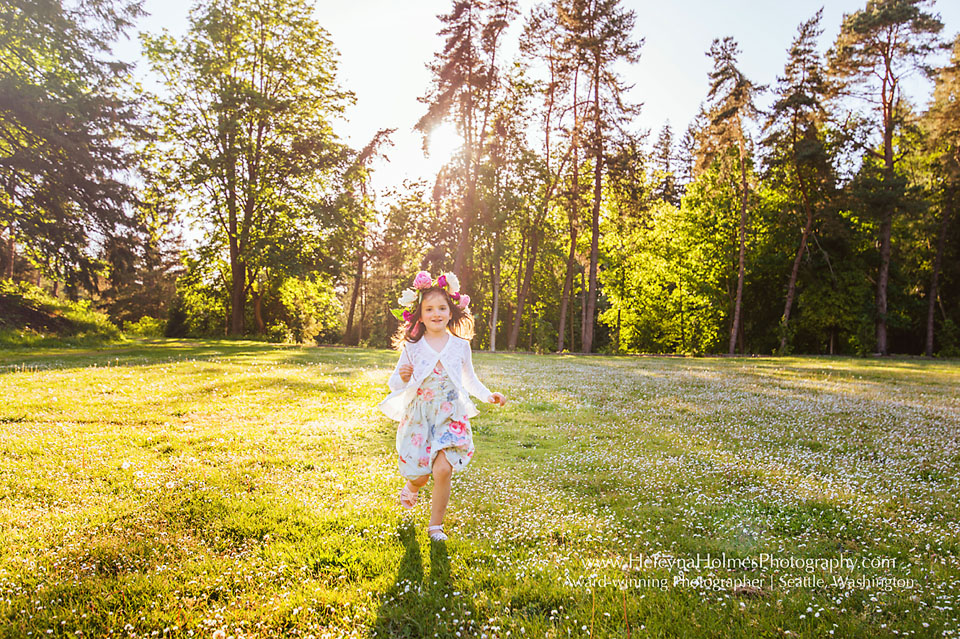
235	489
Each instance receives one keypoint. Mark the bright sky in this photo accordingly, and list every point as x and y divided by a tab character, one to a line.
385	44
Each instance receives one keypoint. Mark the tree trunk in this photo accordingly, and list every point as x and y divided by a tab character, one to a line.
363	308
237	298
467	222
238	269
808	208
537	227
591	306
573	219
792	284
740	263
524	288
583	308
934	278
886	223
353	300
619	311
495	312
530	332
513	314
886	228
567	286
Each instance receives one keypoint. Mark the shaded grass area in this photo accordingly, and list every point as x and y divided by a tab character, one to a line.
184	488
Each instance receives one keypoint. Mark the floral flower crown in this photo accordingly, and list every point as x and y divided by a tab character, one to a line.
410	297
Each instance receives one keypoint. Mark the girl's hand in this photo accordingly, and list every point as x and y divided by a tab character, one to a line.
406	370
497	398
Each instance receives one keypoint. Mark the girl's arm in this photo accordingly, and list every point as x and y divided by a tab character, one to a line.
470	382
396	382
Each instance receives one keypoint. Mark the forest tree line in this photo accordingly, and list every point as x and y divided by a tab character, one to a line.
822	223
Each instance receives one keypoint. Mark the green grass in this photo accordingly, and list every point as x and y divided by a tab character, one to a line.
179	488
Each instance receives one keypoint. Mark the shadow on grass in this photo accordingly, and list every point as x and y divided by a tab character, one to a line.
152	352
422	606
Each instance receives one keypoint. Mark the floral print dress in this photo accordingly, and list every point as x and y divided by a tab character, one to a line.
436	420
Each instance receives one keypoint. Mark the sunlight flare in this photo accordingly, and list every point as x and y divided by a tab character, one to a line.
444	142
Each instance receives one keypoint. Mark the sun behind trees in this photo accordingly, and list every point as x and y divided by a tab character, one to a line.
814	217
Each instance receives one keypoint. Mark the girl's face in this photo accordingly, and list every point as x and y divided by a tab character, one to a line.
435	312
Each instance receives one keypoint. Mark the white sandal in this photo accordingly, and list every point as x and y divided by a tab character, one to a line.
409	495
437	534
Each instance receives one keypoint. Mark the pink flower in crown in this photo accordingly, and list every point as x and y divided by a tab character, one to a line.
422	280
423	461
455	297
407	316
442	281
464	300
416	439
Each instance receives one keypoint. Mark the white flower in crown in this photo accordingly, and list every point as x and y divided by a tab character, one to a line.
408	297
453	284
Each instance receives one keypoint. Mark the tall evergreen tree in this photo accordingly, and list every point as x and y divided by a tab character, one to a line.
543	40
943	125
66	123
600	34
731	105
876	48
466	76
666	188
795	142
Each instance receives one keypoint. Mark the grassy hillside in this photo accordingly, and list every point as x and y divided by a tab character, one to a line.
198	489
29	316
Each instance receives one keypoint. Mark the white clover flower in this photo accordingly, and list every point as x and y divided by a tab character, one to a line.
408	297
453	284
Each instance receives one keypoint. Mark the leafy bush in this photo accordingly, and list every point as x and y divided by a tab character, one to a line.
200	306
29	316
311	310
278	333
147	327
949	338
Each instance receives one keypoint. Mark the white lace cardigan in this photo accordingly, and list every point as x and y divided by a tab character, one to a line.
456	358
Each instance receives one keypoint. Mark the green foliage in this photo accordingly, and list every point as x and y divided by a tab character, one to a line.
264	181
29	316
65	130
312	311
199	308
668	290
147	326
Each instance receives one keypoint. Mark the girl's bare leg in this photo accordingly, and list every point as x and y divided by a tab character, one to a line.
442	471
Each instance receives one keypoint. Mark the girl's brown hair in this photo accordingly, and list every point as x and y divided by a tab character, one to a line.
460	324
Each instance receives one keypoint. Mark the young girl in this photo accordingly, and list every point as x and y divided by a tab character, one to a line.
430	384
